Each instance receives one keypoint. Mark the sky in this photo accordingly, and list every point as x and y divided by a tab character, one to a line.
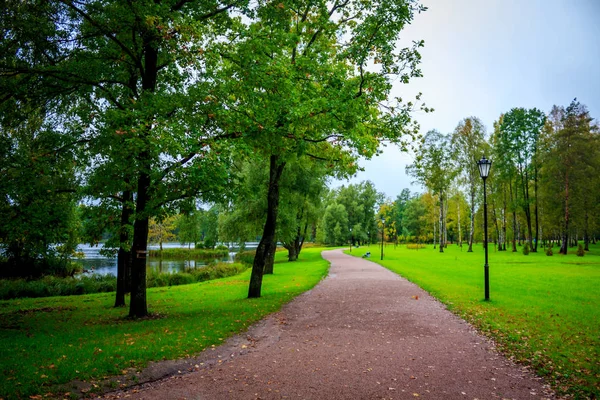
483	57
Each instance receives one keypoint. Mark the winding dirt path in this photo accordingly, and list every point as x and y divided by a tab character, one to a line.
362	333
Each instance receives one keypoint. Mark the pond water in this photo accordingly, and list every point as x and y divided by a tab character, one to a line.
94	262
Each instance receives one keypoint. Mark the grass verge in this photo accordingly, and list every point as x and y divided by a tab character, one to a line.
543	310
49	342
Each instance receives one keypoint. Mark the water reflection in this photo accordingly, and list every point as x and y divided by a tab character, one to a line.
94	262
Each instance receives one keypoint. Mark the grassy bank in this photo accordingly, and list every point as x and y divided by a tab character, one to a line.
49	342
70	286
544	310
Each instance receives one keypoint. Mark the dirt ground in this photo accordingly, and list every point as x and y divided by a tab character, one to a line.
362	333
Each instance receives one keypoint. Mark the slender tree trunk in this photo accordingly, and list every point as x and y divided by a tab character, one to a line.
441	241
434	234
536	210
459	229
514	224
472	224
527	208
264	250
124	256
564	248
498	242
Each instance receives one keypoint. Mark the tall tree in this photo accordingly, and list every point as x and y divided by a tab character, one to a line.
434	168
138	77
37	196
519	136
570	156
300	83
467	144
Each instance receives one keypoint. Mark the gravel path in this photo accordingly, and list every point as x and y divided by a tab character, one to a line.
362	333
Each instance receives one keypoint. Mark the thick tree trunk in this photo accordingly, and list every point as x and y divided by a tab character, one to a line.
265	249
270	258
123	256
138	306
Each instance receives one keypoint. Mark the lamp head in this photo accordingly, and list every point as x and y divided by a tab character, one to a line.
484	167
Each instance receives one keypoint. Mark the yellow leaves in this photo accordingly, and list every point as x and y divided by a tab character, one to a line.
415	297
281	6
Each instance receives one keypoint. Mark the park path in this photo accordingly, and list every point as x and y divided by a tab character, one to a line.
362	333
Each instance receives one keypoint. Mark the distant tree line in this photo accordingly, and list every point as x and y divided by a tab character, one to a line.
543	188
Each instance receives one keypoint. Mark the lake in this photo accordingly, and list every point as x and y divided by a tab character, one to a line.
96	263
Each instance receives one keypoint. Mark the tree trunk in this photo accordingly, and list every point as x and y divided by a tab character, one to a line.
138	306
526	207
434	235
472	224
441	241
498	242
123	256
270	258
514	224
265	249
459	229
536	210
564	248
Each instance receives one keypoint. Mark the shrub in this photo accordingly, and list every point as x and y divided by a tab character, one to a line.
549	251
245	257
222	247
526	249
415	246
180	278
189	254
580	251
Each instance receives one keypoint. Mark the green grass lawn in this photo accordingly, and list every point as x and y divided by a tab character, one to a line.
544	311
48	342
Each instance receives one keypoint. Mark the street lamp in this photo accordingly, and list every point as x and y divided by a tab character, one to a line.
382	230
484	170
350	240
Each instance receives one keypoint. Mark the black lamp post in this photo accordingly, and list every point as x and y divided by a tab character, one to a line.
382	231
484	170
350	240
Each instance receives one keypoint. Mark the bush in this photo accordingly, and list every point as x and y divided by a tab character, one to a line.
180	278
580	251
54	286
190	254
549	251
222	247
526	249
415	246
245	257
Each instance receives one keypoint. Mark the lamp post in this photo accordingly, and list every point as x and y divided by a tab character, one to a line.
350	240
484	170
382	231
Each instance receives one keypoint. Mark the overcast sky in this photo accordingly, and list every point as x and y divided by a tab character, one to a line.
484	57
